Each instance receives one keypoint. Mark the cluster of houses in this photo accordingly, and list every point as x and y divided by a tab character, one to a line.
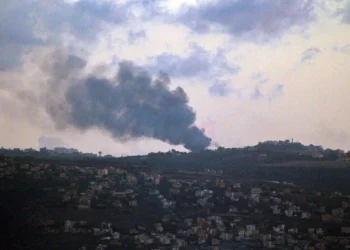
179	213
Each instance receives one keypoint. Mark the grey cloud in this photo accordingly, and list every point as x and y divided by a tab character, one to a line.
109	11
84	19
17	30
222	88
253	19
257	75
87	16
130	105
134	105
219	89
257	94
310	53
50	142
345	14
10	56
276	91
344	49
260	78
28	23
220	61
133	36
198	62
153	9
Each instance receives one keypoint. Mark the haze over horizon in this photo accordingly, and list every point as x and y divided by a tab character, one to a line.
193	73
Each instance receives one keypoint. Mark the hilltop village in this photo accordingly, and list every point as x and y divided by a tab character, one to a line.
67	205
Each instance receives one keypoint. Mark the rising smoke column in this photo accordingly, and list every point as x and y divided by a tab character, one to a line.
133	105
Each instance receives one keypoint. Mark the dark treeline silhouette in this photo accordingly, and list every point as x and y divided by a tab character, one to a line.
18	208
327	172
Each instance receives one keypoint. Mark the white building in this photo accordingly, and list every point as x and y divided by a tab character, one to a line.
199	193
276	209
164	240
237	185
288	212
102	172
69	225
158	227
133	203
256	191
305	215
62	150
226	236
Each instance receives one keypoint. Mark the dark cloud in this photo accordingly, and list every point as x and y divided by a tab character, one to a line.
129	105
310	53
197	62
134	105
253	19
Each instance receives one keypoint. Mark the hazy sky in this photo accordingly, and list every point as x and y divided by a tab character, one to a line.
252	70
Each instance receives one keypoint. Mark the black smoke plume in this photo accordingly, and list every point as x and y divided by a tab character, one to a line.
132	105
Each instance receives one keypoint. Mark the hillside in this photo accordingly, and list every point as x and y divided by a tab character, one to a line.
279	161
269	153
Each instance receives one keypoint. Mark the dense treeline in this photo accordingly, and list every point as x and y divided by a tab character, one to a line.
18	206
277	151
248	162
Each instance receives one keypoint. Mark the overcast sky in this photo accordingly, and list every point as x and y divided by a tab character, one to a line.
247	71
